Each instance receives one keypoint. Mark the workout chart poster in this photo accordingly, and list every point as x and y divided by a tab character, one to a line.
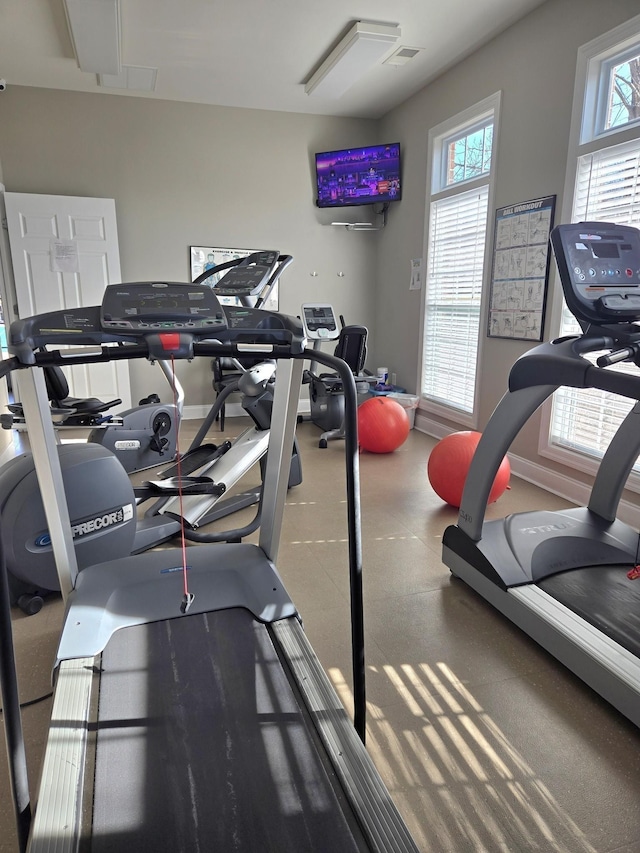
520	273
206	257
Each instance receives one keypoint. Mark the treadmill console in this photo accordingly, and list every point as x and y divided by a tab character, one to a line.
599	266
249	276
319	321
144	307
170	314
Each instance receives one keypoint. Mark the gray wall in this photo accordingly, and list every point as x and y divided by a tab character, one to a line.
533	64
184	174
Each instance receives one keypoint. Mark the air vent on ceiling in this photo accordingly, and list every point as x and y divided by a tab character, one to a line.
135	77
403	55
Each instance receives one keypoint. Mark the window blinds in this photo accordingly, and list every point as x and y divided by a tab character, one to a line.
608	190
608	185
454	288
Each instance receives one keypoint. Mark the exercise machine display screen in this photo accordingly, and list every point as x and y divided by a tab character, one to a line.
242	281
148	305
599	265
248	276
319	321
182	304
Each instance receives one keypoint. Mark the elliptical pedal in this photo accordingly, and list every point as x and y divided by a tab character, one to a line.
194	459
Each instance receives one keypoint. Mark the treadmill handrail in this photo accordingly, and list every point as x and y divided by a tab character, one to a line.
243	329
562	362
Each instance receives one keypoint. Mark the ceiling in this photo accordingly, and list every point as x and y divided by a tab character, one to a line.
254	53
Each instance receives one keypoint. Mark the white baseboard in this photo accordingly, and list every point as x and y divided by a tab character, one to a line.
423	423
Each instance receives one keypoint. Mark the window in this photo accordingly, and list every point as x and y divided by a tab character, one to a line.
469	155
606	187
623	93
609	74
461	154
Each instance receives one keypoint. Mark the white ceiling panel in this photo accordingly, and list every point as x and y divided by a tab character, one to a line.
254	53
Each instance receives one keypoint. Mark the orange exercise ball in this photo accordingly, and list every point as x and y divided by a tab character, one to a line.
383	425
449	463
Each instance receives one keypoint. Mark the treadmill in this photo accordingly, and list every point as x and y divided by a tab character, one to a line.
563	576
190	711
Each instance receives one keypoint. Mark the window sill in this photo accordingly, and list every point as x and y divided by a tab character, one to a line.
582	462
464	419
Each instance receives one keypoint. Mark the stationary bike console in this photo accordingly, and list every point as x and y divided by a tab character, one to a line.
319	322
599	265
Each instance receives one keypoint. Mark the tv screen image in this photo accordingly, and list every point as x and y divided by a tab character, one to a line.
353	176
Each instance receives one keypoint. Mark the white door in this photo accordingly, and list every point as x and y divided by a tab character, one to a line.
65	251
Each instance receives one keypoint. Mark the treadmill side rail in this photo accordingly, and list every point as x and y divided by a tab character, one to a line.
57	822
600	662
379	818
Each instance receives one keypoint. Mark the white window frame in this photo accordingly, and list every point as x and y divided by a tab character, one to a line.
439	137
441	147
587	134
590	99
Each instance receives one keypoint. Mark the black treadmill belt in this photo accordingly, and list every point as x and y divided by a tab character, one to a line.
201	745
603	596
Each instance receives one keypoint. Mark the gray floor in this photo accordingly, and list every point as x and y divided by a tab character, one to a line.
486	743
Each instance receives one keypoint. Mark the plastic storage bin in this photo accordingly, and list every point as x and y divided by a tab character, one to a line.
409	403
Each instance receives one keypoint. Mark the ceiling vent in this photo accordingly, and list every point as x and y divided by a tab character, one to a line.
403	55
133	77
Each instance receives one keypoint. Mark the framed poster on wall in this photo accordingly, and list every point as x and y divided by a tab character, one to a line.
203	258
520	271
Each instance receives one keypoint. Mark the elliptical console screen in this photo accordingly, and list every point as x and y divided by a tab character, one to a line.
249	275
599	265
242	281
145	306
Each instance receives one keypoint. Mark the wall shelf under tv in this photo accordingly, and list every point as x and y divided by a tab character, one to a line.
377	225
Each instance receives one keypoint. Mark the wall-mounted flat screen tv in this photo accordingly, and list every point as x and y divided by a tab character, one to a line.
353	176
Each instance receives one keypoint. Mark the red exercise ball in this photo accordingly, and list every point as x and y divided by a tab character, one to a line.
383	425
449	463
